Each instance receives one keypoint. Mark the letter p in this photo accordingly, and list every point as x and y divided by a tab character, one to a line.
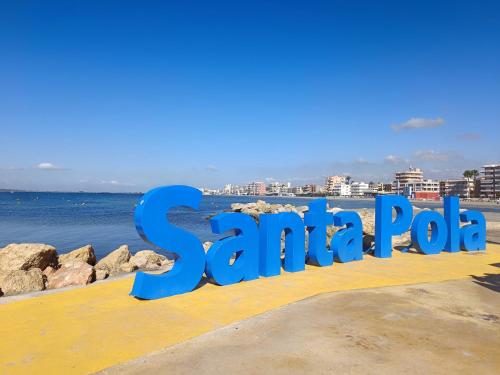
385	227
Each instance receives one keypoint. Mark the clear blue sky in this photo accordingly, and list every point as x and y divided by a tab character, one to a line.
122	96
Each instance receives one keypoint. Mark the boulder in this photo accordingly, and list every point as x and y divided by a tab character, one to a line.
25	256
147	260
368	220
262	206
330	232
101	274
275	208
21	281
112	262
402	240
71	274
206	245
128	267
84	254
237	207
48	271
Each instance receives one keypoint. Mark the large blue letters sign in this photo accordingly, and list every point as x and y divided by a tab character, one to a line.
252	251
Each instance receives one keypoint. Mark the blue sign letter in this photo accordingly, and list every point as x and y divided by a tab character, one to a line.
152	224
271	226
419	232
452	218
316	220
347	243
473	235
385	228
245	245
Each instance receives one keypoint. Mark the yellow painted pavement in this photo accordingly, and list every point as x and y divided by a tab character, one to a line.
88	329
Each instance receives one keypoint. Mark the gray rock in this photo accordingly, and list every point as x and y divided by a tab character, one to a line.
128	267
113	261
206	245
147	260
26	256
48	271
21	281
84	254
101	274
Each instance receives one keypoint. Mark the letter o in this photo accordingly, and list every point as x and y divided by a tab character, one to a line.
439	232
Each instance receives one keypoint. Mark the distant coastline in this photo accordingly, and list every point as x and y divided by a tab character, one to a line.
464	202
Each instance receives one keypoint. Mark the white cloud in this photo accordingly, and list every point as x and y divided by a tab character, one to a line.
419	123
212	168
46	166
431	155
393	159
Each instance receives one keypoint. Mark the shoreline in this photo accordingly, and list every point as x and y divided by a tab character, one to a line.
415	202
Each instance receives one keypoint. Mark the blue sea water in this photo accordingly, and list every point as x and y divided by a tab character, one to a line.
70	220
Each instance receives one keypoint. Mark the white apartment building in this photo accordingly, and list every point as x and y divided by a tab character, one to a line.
341	190
358	189
490	181
331	181
277	188
411	183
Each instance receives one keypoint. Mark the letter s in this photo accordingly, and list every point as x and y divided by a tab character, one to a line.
151	222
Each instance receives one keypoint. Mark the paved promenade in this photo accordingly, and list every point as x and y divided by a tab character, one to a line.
89	329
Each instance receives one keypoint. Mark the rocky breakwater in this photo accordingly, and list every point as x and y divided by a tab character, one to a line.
255	209
30	267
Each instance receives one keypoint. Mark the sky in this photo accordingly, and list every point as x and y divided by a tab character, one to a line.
125	96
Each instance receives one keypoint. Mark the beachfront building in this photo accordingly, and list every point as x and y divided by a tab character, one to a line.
410	175
411	184
358	189
256	188
311	189
297	190
278	188
490	181
331	181
461	187
341	190
206	191
385	188
375	186
227	189
230	189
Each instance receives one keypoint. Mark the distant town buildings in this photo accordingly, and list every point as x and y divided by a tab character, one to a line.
341	190
410	183
311	189
280	189
333	182
358	189
462	188
490	181
256	188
